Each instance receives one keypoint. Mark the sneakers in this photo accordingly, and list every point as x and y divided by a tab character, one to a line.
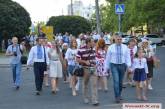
96	103
74	93
150	87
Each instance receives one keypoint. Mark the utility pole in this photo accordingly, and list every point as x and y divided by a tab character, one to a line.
62	12
71	7
119	18
98	16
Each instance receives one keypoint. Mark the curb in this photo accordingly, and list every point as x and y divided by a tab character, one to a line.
8	65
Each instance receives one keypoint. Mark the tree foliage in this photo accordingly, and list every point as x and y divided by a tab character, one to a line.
137	13
14	19
71	24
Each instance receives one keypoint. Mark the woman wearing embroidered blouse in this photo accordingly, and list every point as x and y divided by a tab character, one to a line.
100	58
55	73
148	53
70	56
140	75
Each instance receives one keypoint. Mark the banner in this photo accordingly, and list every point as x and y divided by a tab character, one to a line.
48	30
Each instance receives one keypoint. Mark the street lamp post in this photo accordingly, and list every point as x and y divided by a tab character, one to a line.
119	18
98	16
71	7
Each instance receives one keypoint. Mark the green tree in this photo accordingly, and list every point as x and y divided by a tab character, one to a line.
71	24
109	18
14	19
154	14
137	13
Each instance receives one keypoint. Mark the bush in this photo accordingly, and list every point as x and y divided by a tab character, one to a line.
71	24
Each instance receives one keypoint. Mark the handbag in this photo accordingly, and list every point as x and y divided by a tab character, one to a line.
23	59
78	71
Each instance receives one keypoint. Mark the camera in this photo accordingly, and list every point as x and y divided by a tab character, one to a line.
15	53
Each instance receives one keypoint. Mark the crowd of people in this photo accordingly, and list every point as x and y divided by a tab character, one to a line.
100	56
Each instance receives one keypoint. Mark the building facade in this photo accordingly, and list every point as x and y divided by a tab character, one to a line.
80	10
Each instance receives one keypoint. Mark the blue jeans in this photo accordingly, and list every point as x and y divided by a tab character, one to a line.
16	69
118	71
70	69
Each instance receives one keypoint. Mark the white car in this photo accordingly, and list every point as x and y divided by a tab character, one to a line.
155	39
126	38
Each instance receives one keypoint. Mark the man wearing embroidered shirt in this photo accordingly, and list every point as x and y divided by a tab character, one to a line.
38	56
118	60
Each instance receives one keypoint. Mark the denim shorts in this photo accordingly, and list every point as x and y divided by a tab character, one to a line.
70	69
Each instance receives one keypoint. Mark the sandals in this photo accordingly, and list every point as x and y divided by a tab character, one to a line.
74	93
144	98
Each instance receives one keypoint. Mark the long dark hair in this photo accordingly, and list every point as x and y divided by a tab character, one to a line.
136	54
57	46
73	40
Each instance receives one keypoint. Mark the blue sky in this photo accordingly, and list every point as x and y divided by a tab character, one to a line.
41	10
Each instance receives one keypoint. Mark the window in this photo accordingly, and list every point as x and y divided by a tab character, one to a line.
152	36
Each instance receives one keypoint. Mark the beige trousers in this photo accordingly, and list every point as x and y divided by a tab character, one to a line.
90	77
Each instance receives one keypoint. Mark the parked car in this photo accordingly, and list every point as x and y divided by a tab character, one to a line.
155	39
126	38
139	38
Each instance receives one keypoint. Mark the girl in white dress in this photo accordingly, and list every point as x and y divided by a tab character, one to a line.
55	57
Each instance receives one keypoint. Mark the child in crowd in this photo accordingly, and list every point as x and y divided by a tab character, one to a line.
140	75
133	50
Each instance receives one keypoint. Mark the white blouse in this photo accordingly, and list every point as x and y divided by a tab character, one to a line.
134	49
70	56
140	63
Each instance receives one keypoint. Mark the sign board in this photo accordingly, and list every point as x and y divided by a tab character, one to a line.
119	8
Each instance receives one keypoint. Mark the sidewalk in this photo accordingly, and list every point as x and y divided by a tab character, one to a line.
5	61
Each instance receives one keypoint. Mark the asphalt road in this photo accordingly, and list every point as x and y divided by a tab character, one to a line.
25	98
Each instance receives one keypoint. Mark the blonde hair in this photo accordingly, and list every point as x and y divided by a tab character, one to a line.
13	38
